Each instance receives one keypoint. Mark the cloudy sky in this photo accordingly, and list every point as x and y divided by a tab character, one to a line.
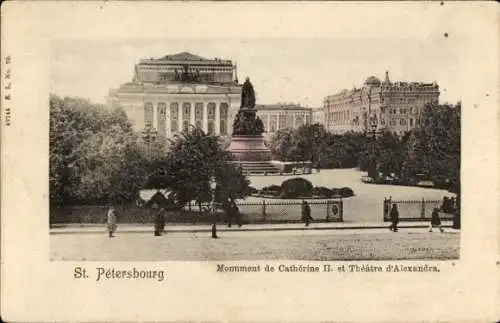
301	70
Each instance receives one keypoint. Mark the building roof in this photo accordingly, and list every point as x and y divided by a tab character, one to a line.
264	107
184	56
372	81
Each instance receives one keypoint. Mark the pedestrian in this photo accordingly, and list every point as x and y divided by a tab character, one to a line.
159	222
435	220
111	220
306	213
228	209
394	218
163	220
236	213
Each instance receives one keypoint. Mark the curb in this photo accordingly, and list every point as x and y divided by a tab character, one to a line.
225	229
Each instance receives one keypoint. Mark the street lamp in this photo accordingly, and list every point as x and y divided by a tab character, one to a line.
149	135
213	186
373	167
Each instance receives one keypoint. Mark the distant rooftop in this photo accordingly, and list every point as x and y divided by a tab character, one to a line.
184	57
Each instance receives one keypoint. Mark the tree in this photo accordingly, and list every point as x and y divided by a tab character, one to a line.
94	155
195	157
434	148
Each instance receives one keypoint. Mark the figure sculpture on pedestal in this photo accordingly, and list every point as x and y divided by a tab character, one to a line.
246	121
247	142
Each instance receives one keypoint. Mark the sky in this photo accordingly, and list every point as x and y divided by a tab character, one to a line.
298	70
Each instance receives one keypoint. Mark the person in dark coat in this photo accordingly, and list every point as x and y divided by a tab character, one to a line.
435	220
306	213
159	220
394	214
233	212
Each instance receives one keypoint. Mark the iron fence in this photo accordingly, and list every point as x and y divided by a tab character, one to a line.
415	210
264	211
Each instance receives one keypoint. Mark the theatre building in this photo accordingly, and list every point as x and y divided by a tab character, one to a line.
175	91
283	116
392	106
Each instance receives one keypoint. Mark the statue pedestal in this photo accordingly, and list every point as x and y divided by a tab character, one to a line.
249	148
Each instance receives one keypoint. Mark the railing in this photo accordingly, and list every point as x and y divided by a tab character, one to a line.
414	210
250	212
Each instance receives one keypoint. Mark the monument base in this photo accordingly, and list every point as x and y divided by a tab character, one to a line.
249	148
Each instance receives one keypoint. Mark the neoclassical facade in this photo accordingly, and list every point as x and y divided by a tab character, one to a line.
282	116
393	106
181	90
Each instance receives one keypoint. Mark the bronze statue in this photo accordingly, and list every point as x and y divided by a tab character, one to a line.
247	95
246	121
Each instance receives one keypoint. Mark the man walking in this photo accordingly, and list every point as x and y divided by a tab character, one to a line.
111	221
435	220
394	214
306	213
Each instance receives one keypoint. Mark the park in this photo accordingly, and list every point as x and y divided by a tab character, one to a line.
197	177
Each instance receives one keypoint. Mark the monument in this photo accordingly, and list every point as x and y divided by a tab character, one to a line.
247	142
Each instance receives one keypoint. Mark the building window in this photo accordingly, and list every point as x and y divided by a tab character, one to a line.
162	118
281	121
393	122
211	117
411	122
223	111
185	125
289	120
402	122
299	120
211	111
174	117
273	123
148	113
211	127
186	112
198	115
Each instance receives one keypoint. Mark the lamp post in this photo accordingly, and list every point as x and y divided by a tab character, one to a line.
149	135
213	186
374	170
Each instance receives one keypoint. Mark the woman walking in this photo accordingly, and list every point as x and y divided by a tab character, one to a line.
111	220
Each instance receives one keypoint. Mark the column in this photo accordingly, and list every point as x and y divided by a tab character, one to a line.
192	115
180	116
205	117
268	128
277	121
168	129
293	125
217	118
155	115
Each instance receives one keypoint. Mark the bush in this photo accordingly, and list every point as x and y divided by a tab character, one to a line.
322	191
252	190
335	191
346	192
296	187
273	190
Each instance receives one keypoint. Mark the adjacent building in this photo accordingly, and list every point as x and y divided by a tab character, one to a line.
393	106
176	91
283	116
318	115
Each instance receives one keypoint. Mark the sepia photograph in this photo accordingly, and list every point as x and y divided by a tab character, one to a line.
226	161
240	149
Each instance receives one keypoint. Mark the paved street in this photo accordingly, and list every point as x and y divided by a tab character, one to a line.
348	244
